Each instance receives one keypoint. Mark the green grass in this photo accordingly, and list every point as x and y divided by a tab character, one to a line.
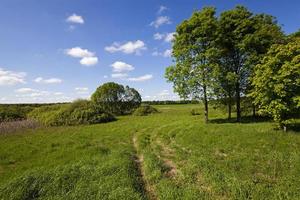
182	158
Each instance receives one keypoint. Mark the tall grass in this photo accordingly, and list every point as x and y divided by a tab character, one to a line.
15	126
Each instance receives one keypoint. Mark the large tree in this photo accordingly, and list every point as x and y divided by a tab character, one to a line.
244	39
276	82
193	52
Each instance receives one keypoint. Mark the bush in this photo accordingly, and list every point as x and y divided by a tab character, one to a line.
78	112
144	110
195	111
14	112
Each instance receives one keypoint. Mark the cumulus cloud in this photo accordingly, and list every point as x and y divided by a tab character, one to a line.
161	9
141	78
120	66
119	75
81	90
89	61
161	20
88	58
78	52
11	77
127	48
77	19
47	81
167	37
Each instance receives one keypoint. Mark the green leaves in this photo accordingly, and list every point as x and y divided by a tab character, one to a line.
276	82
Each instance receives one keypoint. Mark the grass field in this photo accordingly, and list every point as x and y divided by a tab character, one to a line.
169	155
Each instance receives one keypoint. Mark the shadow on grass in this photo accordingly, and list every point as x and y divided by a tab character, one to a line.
294	127
244	120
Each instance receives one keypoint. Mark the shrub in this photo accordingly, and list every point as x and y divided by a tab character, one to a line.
13	112
145	110
195	111
78	112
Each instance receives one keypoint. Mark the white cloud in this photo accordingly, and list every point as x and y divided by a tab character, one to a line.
119	75
120	66
81	90
167	53
161	9
88	58
161	20
167	37
47	81
78	52
105	76
77	19
25	90
89	61
141	78
127	48
158	36
11	78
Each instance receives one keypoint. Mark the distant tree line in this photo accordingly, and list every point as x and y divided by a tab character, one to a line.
237	55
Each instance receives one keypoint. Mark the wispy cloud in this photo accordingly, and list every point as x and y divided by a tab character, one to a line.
141	78
119	75
77	19
81	90
161	9
167	37
47	81
161	20
11	78
167	53
127	48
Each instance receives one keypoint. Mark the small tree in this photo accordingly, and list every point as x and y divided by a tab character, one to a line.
116	98
276	82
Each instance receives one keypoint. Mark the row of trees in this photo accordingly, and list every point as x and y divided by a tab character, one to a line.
226	58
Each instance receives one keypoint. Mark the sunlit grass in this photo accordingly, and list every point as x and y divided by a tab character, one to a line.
183	158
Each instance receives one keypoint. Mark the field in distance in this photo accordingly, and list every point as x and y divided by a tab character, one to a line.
168	155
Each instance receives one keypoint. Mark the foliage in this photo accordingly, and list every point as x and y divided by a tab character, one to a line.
145	109
116	98
244	39
14	112
78	112
277	82
194	51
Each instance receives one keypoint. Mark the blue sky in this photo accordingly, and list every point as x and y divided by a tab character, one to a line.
61	50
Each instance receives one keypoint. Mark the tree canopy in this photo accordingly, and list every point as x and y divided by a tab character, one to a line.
276	82
116	98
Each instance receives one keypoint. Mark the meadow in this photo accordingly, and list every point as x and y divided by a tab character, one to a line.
168	155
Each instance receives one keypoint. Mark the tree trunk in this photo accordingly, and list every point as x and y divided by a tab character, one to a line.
229	107
205	105
238	102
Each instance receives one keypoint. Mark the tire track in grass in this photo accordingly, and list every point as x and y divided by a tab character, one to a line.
139	159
